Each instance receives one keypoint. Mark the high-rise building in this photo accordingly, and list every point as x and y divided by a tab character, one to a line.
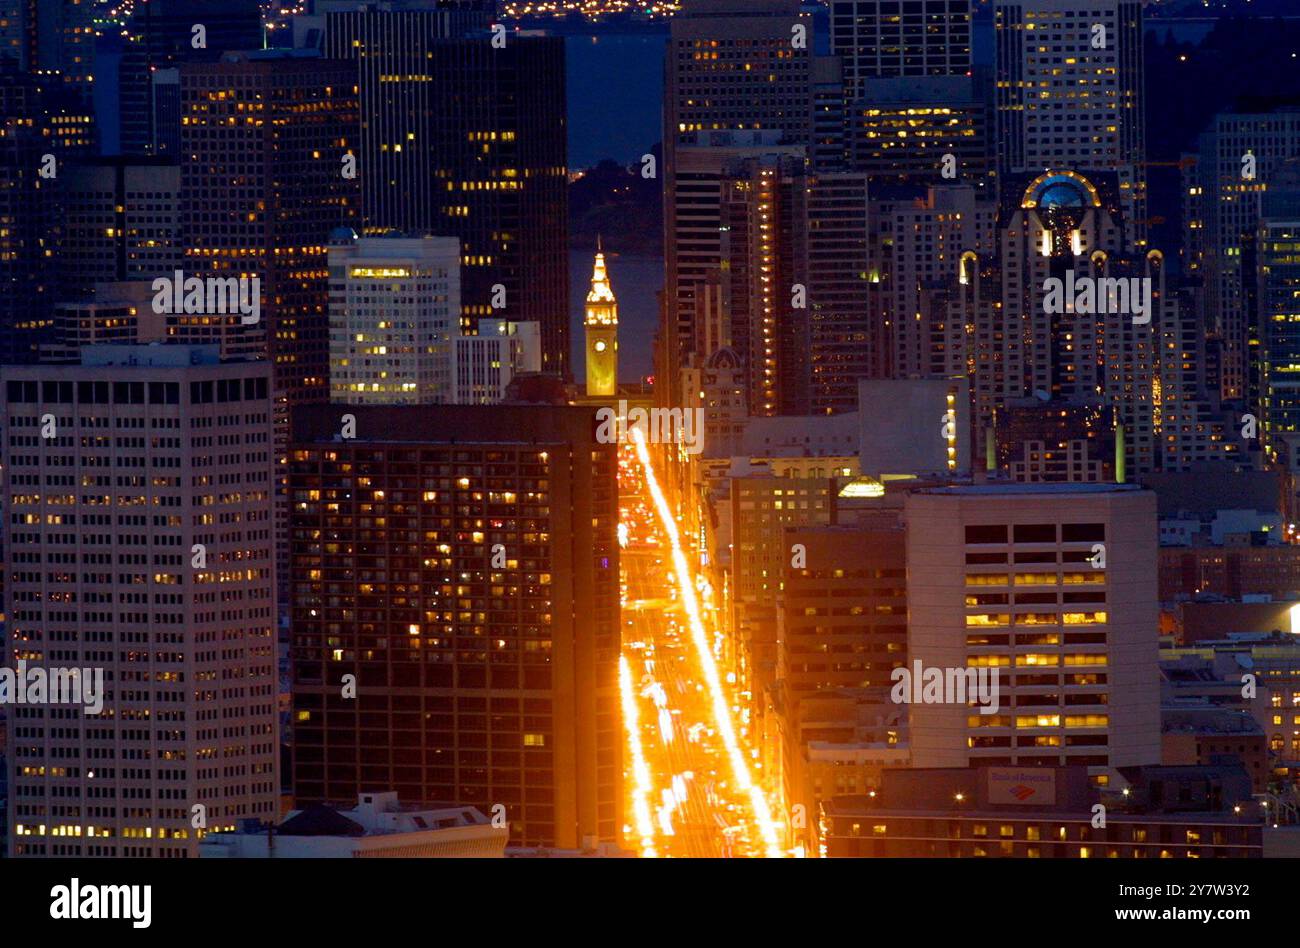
763	249
42	128
1129	353
880	39
1070	93
843	611
1050	587
600	326
394	310
1237	157
920	130
264	136
917	241
698	228
1278	275
65	43
140	543
459	565
762	506
18	33
122	221
743	67
162	35
791	280
53	37
462	138
845	333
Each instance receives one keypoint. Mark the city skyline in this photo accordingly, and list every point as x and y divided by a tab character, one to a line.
887	447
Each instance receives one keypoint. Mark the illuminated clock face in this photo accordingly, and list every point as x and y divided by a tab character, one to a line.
600	346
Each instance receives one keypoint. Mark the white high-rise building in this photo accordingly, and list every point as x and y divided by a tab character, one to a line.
138	492
1051	586
394	309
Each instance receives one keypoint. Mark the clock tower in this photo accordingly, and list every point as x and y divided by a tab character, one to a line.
601	325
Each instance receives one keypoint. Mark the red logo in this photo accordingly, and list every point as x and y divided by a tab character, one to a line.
1021	792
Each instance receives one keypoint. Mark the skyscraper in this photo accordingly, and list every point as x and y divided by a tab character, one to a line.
52	37
394	310
460	564
1236	159
43	127
263	185
736	66
878	39
465	139
122	221
1070	93
149	556
1278	275
162	35
698	228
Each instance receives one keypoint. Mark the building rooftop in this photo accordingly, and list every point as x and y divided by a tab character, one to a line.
1020	488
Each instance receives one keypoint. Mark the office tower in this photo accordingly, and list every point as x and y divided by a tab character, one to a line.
1008	578
164	579
697	226
842	629
843	613
55	38
878	39
161	35
1070	93
731	66
1236	159
829	146
65	43
394	309
763	247
920	130
18	33
122	221
793	252
263	186
600	328
44	127
1278	276
461	138
917	241
845	332
479	619
484	364
762	506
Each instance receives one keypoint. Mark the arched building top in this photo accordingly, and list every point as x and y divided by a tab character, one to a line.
1060	189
